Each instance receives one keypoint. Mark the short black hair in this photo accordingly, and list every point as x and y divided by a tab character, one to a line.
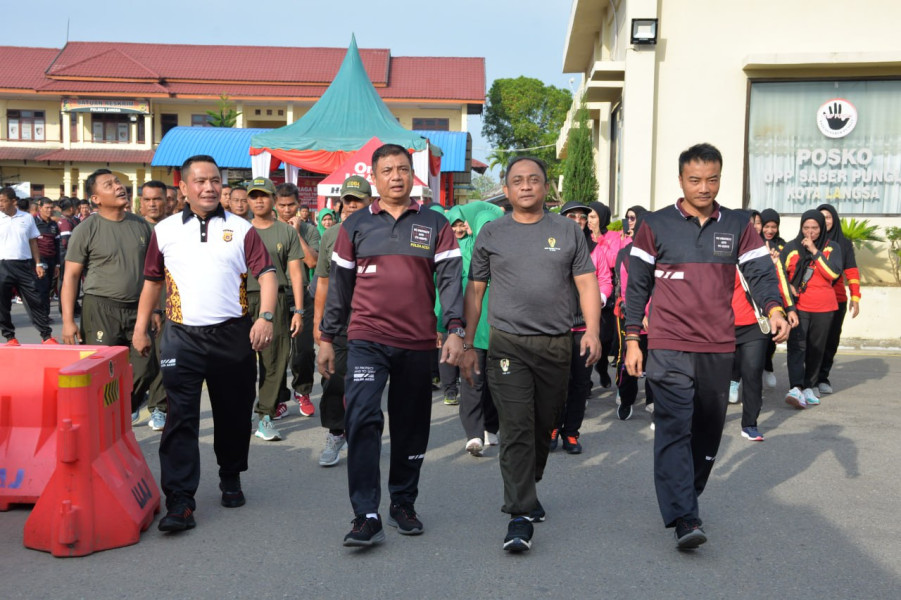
24	203
9	193
92	180
537	161
237	188
172	187
84	201
65	204
155	184
387	150
197	158
288	189
44	200
706	153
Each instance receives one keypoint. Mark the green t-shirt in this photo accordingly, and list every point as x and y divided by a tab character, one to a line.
326	246
281	241
112	253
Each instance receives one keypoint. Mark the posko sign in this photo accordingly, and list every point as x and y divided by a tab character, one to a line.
805	150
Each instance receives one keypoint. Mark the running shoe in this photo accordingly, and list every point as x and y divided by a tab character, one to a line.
157	420
366	531
751	434
306	407
280	411
795	397
824	387
810	397
451	400
266	430
624	412
491	439
13	342
178	518
50	341
474	446
403	516
519	535
769	380
331	454
571	444
555	436
733	392
232	496
689	533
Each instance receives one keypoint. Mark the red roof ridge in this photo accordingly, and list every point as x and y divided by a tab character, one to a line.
230	46
53	72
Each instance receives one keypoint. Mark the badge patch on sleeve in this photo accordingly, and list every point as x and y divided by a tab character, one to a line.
421	237
723	244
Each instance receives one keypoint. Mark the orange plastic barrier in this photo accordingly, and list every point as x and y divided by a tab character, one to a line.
28	386
101	494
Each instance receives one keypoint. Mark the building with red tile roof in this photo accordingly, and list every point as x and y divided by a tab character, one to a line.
65	112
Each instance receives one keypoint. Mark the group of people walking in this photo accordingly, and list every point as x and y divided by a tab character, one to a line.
692	298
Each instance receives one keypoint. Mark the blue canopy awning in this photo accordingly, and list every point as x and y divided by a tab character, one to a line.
228	146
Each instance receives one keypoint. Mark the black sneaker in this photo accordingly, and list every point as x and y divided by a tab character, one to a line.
624	412
232	496
366	531
689	533
519	535
571	444
178	518
537	515
555	437
403	516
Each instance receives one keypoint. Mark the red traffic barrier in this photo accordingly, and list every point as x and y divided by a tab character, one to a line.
28	388
101	494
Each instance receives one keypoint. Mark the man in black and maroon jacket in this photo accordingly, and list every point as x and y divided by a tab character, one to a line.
49	247
386	264
684	256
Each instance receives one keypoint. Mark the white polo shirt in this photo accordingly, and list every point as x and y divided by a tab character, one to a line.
204	263
15	234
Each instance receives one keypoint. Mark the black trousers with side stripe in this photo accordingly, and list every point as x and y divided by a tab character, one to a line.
222	356
369	366
691	392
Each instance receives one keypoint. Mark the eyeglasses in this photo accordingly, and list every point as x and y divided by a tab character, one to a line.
628	218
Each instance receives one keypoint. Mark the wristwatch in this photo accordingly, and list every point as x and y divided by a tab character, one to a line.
298	311
266	316
458	331
468	347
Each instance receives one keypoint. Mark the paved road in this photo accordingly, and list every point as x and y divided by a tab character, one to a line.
810	513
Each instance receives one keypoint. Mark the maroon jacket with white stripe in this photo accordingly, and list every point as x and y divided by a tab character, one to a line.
689	269
384	273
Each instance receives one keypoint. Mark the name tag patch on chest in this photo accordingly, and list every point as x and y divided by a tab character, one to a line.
723	244
421	237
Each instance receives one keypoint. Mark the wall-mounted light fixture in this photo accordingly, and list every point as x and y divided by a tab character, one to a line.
644	31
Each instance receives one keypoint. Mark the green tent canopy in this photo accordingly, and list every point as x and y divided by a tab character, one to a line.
348	115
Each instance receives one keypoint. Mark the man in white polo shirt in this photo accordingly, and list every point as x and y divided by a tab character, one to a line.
203	254
20	267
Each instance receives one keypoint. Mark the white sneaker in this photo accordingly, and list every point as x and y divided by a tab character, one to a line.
795	397
157	420
474	446
649	408
769	380
331	454
267	431
733	392
810	397
824	388
491	439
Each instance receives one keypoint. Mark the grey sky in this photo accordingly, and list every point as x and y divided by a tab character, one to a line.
516	37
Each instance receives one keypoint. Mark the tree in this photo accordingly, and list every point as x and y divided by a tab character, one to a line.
580	183
225	114
485	186
523	116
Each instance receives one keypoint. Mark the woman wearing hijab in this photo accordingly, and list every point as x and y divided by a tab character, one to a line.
769	223
812	263
627	385
852	276
751	350
598	220
325	219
